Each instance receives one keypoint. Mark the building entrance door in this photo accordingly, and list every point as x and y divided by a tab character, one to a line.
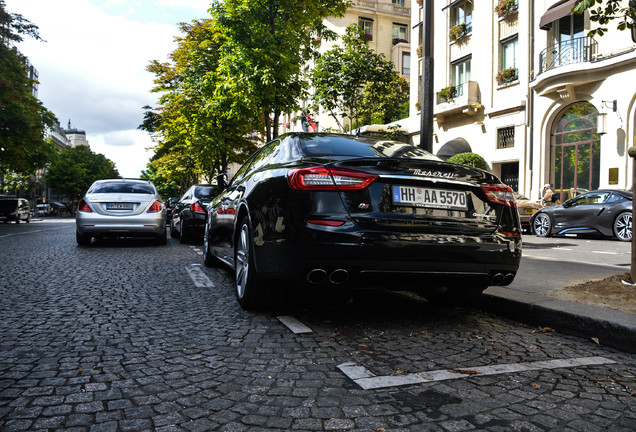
576	151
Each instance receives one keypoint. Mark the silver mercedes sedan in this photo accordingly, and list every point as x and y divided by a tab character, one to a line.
121	208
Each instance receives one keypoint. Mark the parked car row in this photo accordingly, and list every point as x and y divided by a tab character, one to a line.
337	211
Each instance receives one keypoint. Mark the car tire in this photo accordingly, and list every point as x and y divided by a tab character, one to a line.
209	259
623	226
173	231
184	236
83	239
542	225
251	293
28	219
162	240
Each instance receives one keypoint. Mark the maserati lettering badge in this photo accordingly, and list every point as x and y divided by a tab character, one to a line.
424	173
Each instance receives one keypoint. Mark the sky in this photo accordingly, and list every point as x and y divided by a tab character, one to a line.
92	67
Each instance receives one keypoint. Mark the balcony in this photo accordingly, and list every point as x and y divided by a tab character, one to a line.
383	6
574	51
465	99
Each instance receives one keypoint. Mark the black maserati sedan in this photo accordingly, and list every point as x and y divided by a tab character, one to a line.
605	212
337	211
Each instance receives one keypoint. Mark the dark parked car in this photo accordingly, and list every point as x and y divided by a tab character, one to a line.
170	203
14	209
328	210
188	214
605	211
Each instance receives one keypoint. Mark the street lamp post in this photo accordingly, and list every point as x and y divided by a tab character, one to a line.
426	95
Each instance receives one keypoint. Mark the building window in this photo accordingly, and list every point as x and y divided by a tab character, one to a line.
400	33
397	2
367	26
460	74
509	53
506	137
406	63
462	14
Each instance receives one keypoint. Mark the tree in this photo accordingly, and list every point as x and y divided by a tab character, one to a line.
202	125
353	81
165	187
23	118
610	11
268	44
74	169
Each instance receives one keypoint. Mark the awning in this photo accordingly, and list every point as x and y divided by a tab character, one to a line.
453	147
556	12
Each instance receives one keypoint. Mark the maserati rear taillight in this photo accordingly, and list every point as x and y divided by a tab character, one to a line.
500	194
83	207
197	208
155	207
328	179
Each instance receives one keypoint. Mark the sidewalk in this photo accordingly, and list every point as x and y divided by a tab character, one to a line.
609	326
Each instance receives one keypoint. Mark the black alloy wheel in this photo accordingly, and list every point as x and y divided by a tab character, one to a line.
251	293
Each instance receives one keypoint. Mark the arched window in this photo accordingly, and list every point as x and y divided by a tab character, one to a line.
576	150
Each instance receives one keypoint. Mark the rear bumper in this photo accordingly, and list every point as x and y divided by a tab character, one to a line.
411	259
145	225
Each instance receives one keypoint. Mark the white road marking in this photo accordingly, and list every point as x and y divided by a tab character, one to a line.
605	252
294	325
367	380
198	277
197	250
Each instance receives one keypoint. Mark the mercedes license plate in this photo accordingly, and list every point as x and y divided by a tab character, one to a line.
119	206
424	197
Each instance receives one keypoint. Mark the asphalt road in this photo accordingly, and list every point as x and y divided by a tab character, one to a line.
129	336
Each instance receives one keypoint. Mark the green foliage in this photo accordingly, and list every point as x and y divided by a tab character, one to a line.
23	118
267	44
74	169
504	7
15	183
228	81
507	75
609	10
470	159
353	81
165	187
457	31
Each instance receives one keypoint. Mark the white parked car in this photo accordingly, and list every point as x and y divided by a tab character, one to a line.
121	208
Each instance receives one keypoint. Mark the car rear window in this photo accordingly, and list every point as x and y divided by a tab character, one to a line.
360	147
121	187
205	192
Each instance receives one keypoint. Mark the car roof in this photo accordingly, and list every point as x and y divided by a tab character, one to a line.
623	192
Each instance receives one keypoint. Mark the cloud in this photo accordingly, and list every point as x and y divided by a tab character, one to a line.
127	148
92	69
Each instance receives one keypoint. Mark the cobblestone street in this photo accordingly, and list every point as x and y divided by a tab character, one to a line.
119	337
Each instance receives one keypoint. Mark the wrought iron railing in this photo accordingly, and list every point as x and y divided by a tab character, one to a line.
574	51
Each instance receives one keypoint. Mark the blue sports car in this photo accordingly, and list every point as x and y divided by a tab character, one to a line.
605	211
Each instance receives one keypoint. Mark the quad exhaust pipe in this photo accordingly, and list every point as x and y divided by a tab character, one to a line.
336	277
501	279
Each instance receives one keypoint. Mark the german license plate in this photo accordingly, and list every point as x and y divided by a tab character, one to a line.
425	197
119	206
